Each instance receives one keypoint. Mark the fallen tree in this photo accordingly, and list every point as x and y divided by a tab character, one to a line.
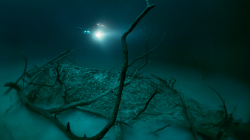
48	68
65	84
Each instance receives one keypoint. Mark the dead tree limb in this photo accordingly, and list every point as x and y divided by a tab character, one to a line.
145	63
149	51
190	117
150	34
75	104
40	111
58	74
118	131
7	110
22	95
62	55
165	83
170	82
228	118
38	70
145	107
25	67
159	129
37	84
101	115
64	129
81	103
123	72
224	105
146	54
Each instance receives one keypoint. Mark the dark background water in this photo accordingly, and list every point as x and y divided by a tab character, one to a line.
196	31
214	32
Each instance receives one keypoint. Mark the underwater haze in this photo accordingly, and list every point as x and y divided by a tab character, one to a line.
205	42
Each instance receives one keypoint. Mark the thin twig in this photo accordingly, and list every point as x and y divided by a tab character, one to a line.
229	119
7	110
145	107
25	67
38	84
224	105
159	129
194	130
58	74
149	51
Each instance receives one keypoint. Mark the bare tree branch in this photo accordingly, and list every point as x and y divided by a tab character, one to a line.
190	117
7	110
224	105
149	51
38	70
25	67
145	107
159	129
123	72
228	118
47	113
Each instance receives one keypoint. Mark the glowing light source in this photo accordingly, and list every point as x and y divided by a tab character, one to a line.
99	34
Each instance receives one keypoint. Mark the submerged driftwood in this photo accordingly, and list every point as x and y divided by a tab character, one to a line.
62	83
67	85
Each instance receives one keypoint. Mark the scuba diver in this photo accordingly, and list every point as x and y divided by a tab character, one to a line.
94	29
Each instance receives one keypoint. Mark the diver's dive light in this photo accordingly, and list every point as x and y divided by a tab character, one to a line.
99	34
96	31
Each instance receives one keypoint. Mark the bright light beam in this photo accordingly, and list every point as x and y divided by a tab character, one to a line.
99	35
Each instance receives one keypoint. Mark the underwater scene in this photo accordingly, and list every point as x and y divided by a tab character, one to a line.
124	70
